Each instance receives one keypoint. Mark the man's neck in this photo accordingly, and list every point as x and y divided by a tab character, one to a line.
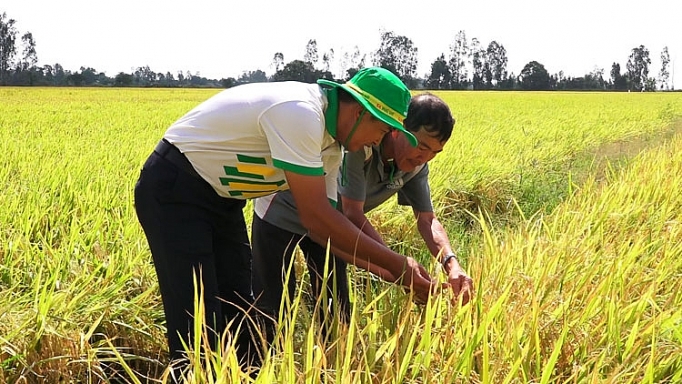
387	149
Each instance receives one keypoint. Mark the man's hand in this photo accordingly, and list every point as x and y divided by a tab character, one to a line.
461	284
419	275
416	278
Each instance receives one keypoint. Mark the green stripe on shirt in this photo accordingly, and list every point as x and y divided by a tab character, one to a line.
308	171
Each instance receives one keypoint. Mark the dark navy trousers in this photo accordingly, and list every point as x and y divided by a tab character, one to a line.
194	233
273	249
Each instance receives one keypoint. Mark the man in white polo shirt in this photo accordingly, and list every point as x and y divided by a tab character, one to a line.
251	141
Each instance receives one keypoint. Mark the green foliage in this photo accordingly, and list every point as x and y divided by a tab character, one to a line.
534	77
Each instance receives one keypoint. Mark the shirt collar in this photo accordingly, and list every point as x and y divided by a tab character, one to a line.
331	114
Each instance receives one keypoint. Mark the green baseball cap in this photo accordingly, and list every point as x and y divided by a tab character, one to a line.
382	93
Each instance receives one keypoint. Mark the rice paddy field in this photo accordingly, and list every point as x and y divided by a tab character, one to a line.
566	209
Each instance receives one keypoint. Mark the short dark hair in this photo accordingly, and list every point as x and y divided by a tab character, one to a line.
345	96
431	113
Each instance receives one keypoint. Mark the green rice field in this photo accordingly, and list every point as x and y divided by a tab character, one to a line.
565	207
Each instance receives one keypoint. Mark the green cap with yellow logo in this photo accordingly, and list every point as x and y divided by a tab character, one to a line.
382	93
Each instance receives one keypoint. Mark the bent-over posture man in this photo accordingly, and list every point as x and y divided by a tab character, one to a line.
368	178
250	141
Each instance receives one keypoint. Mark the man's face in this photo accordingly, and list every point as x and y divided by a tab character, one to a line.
407	157
369	132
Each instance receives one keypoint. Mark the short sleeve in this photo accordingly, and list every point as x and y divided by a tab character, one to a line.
416	192
295	132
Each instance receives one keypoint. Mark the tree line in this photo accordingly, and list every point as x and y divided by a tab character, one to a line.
467	65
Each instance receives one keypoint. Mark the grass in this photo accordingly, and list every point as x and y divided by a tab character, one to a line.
595	282
575	259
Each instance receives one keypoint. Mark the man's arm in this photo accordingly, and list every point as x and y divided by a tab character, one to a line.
354	211
382	273
433	233
324	222
437	241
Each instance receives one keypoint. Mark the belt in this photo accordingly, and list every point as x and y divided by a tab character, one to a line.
171	153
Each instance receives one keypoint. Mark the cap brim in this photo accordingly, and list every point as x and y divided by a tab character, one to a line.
393	123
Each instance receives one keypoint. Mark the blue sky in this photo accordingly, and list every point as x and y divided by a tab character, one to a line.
224	38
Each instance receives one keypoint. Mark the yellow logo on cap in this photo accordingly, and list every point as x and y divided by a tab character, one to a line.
378	103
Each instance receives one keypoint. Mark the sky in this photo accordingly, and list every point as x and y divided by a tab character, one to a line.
220	39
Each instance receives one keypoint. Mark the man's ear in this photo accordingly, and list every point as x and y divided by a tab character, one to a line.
358	110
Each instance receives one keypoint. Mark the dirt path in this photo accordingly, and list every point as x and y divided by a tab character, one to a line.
618	153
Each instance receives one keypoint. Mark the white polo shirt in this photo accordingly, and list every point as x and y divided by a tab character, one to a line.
243	139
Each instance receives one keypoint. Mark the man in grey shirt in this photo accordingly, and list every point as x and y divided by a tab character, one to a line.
367	178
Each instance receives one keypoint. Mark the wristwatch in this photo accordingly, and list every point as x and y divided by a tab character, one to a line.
447	258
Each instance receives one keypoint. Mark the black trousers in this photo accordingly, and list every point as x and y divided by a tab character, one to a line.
273	248
195	233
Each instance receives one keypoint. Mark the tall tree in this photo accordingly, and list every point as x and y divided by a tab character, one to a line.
534	77
638	67
327	59
352	63
487	72
311	55
26	71
459	53
478	60
619	81
30	56
357	59
399	55
278	60
440	76
8	38
496	56
664	75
